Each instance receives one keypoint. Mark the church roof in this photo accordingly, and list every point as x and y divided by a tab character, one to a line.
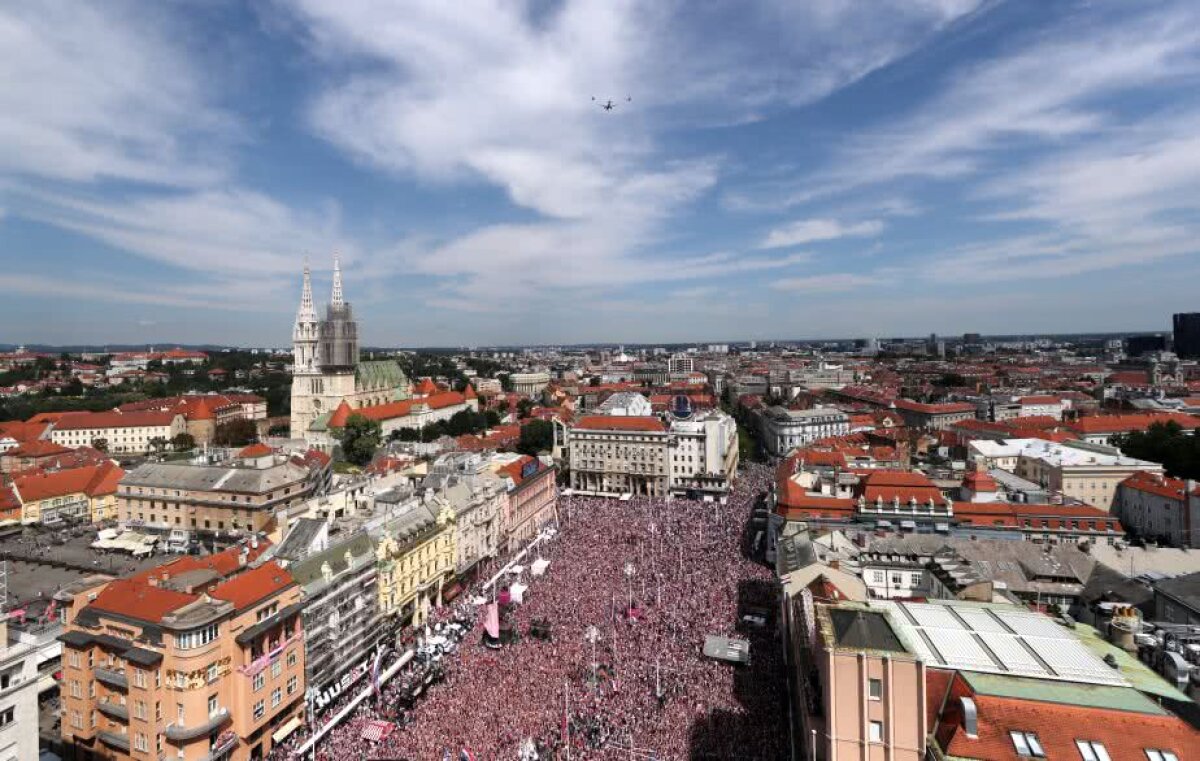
379	373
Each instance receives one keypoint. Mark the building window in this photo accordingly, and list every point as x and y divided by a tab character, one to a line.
1153	754
259	680
276	697
291	685
876	733
291	658
259	710
139	742
1092	750
1027	744
875	689
213	706
196	638
276	668
213	672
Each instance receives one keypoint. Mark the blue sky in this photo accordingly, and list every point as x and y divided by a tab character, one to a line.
784	168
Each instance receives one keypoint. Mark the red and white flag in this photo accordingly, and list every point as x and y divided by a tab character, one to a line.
491	621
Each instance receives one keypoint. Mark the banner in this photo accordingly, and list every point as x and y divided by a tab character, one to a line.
491	621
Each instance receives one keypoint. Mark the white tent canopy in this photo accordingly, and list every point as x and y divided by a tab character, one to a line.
539	566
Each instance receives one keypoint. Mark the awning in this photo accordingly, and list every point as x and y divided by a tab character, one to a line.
908	524
942	526
377	730
539	566
289	726
883	524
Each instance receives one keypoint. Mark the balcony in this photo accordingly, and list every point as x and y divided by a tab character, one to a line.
114	679
113	710
181	733
114	740
223	746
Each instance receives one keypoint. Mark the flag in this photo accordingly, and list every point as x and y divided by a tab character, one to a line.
491	621
375	671
466	755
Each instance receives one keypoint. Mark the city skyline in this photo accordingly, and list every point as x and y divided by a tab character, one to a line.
899	169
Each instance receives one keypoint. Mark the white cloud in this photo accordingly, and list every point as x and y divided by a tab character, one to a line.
493	91
810	230
1013	100
836	282
94	91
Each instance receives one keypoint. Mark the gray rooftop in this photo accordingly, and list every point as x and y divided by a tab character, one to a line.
216	478
1185	589
864	630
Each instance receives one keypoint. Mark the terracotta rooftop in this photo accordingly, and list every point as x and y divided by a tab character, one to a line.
250	587
620	423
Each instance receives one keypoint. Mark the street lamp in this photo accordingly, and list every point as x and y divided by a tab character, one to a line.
592	634
629	573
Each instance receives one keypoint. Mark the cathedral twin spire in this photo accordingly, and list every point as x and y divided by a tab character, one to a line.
308	311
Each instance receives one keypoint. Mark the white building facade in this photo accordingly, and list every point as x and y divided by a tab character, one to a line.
783	430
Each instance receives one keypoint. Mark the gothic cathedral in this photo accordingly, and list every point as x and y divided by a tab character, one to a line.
326	369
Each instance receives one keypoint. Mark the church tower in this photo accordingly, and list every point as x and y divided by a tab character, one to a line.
307	384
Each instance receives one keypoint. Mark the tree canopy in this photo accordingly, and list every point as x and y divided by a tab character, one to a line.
360	438
235	433
1166	443
536	436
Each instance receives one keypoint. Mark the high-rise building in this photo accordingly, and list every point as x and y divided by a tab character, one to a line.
326	370
1136	346
1187	335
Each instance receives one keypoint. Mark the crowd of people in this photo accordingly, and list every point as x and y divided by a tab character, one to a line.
615	667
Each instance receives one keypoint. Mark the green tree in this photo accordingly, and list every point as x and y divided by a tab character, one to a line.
536	436
1166	443
524	407
182	442
100	445
157	444
235	433
506	382
492	418
360	438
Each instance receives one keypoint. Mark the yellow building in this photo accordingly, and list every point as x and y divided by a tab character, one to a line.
87	493
415	555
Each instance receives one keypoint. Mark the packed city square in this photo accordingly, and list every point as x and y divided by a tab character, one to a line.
613	667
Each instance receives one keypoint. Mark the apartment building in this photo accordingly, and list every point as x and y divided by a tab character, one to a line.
937	417
704	454
1090	475
340	591
959	679
783	430
121	432
83	494
199	659
18	699
532	497
217	501
415	555
478	497
613	454
1157	507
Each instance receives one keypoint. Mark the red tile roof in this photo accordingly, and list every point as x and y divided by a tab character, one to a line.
979	482
1154	483
620	423
37	448
934	409
257	449
1130	422
391	410
1040	400
139	600
255	585
93	480
1124	734
891	484
223	563
114	420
